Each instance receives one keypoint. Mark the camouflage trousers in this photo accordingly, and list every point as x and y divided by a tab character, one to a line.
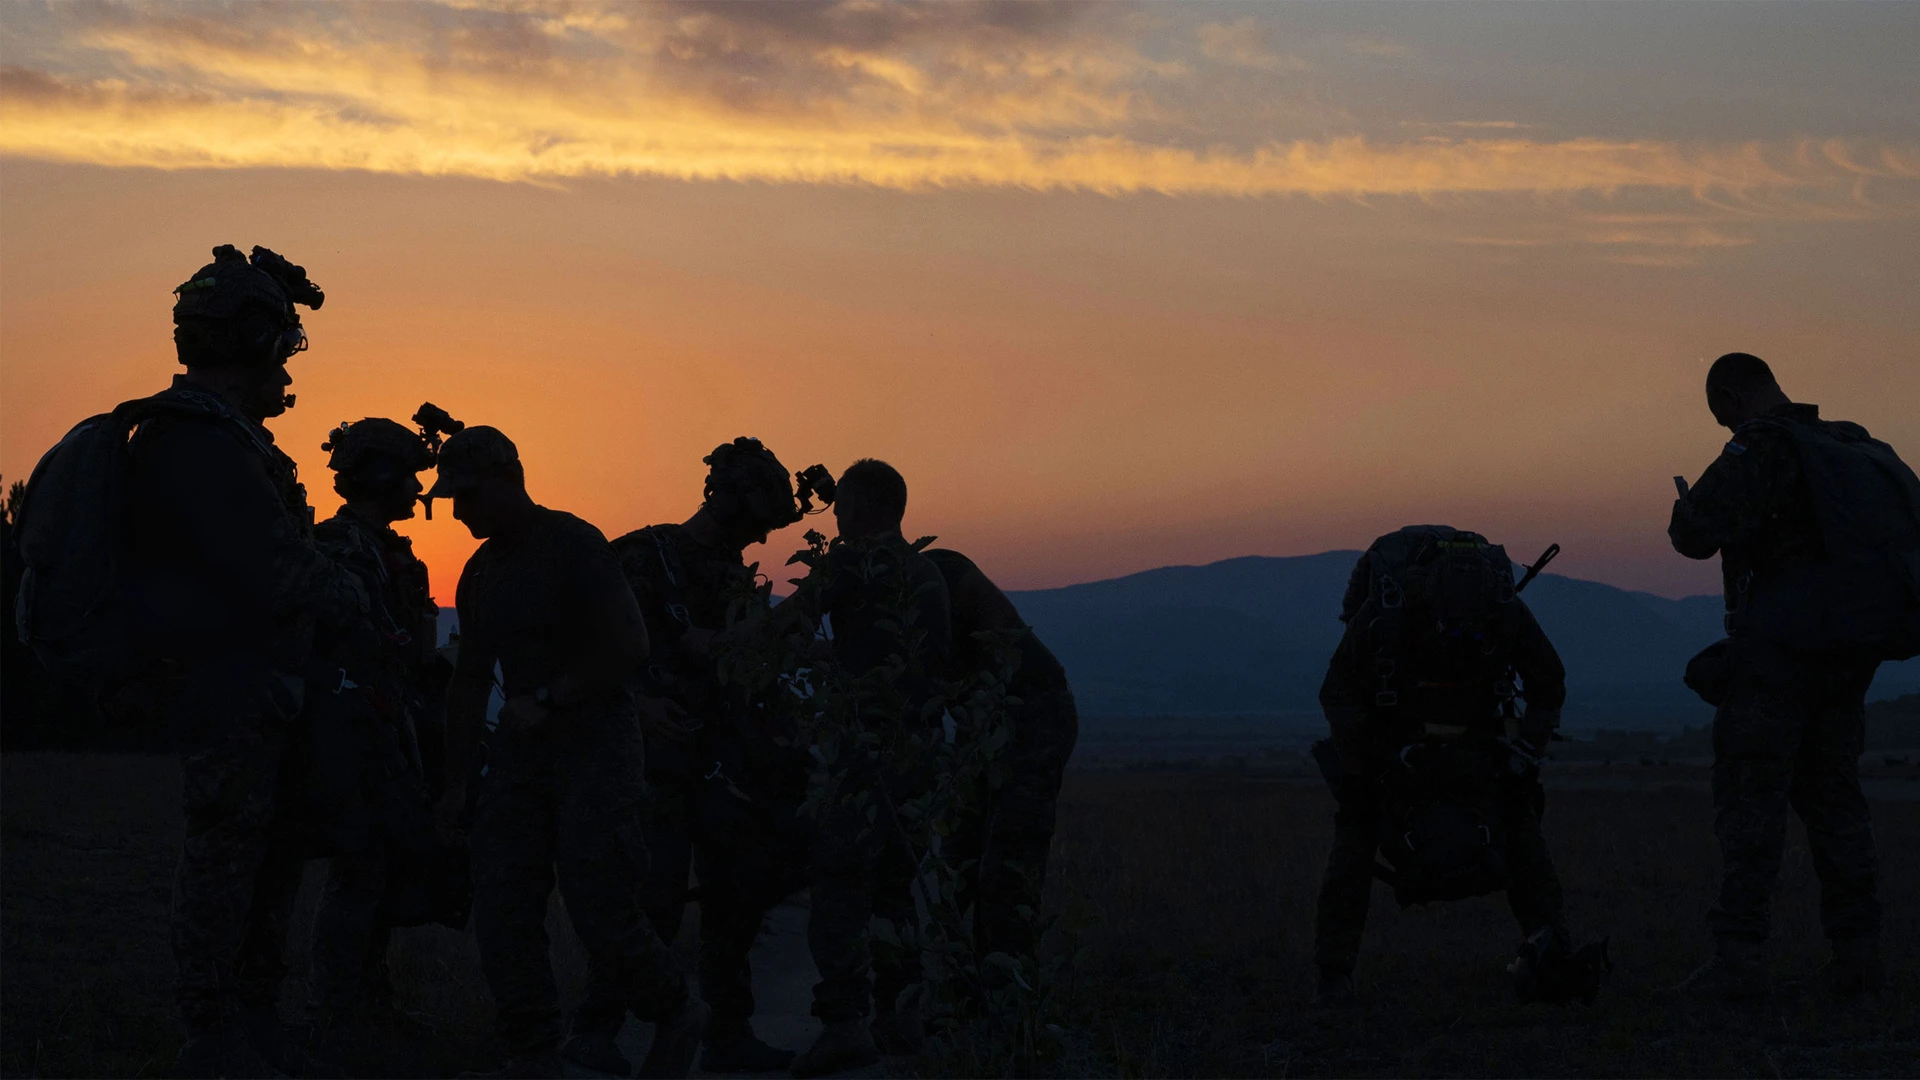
1012	836
862	870
240	863
348	956
746	866
566	802
1340	919
1790	733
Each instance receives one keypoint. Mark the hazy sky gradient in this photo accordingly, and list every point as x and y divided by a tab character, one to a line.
1114	286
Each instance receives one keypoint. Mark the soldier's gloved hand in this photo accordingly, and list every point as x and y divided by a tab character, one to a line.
664	719
1537	728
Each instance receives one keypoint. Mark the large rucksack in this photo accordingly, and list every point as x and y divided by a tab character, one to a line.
1427	602
1862	595
74	533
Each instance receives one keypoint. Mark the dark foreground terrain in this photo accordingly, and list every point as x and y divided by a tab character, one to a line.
1192	892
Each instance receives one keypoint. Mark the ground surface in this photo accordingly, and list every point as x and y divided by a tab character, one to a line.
1192	894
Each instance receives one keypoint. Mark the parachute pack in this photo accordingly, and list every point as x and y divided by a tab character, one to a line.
1863	594
74	532
1426	600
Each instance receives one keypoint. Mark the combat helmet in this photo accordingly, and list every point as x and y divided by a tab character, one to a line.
352	443
240	310
748	491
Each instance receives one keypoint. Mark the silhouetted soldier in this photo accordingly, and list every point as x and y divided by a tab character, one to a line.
226	583
1423	764
726	795
1011	838
887	608
376	463
1803	513
565	780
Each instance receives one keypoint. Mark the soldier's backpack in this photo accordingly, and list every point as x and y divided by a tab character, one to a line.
1862	596
1426	601
74	533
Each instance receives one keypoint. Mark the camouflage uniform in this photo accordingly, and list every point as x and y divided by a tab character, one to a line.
1366	741
226	584
568	796
350	938
1013	833
862	866
1791	728
725	806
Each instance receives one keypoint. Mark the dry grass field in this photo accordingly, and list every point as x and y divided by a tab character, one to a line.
1193	893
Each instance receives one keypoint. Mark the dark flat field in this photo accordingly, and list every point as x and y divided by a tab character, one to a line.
1192	892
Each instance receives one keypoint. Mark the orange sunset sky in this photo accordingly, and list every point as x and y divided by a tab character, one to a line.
1114	286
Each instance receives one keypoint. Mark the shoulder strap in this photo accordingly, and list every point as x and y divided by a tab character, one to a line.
674	574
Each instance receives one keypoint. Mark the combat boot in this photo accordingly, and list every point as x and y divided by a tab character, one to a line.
733	1047
676	1039
1856	969
845	1044
1737	974
1334	990
596	1050
225	1052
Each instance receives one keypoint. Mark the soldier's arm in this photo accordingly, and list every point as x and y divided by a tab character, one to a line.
228	501
1728	506
1543	677
466	708
1344	696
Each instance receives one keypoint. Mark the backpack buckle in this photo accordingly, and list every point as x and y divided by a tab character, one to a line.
1386	699
681	615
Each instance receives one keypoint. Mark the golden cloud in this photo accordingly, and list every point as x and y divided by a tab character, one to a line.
908	97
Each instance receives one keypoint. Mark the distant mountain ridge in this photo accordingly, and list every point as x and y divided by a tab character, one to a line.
1252	635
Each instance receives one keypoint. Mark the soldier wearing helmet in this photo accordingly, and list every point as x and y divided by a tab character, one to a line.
226	583
726	795
400	680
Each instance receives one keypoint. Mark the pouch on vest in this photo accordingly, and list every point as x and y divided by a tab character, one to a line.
1862	595
1710	672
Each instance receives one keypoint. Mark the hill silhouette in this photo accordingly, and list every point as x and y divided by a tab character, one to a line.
1251	636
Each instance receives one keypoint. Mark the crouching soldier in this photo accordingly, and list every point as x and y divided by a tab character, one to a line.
1430	762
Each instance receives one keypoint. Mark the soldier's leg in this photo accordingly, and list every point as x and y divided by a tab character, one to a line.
1019	828
233	746
1534	892
894	970
513	853
1340	918
345	934
663	891
846	854
1756	737
602	860
1825	792
733	902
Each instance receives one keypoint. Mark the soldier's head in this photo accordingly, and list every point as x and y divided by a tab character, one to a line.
748	492
1741	387
376	465
235	327
480	471
871	500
